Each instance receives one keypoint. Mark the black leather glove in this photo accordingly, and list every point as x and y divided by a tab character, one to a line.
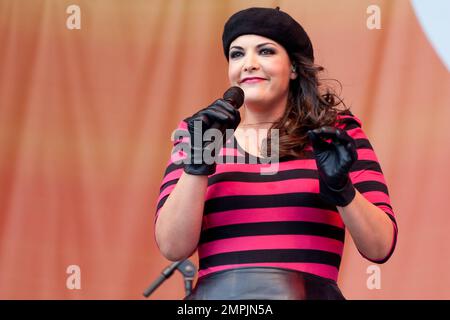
334	161
220	115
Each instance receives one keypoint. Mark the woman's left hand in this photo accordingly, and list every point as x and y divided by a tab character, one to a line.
334	161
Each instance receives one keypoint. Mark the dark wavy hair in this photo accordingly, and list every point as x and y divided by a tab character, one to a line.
311	104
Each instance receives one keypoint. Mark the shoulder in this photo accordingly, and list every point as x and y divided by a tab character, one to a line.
346	120
352	125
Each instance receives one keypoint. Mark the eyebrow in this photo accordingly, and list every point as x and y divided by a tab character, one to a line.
258	46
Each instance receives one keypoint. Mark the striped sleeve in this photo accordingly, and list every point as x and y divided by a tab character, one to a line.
367	176
175	165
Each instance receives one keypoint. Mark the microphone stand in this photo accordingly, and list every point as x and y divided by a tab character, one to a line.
187	269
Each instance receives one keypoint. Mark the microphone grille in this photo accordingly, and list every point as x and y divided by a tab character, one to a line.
234	96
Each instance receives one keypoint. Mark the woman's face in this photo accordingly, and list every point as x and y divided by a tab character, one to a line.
262	68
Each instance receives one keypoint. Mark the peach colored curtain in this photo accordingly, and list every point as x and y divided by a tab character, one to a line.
86	116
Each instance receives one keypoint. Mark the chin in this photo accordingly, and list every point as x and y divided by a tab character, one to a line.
254	96
255	101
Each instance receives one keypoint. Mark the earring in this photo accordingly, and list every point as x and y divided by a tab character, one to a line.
293	68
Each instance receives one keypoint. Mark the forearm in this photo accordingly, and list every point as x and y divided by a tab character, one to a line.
178	226
370	227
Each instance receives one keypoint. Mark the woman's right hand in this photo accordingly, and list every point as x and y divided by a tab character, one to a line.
179	222
219	115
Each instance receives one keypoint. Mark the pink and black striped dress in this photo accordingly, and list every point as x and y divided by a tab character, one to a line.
278	220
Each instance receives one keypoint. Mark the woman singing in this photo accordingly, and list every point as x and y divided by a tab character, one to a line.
277	235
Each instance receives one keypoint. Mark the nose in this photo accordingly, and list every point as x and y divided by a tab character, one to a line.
251	62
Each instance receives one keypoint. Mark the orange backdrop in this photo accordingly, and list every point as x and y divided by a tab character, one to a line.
86	117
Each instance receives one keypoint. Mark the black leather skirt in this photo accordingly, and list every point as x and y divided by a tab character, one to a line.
263	283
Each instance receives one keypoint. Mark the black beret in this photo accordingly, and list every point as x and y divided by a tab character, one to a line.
270	23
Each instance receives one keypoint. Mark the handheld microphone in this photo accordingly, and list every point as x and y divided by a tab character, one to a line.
234	96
